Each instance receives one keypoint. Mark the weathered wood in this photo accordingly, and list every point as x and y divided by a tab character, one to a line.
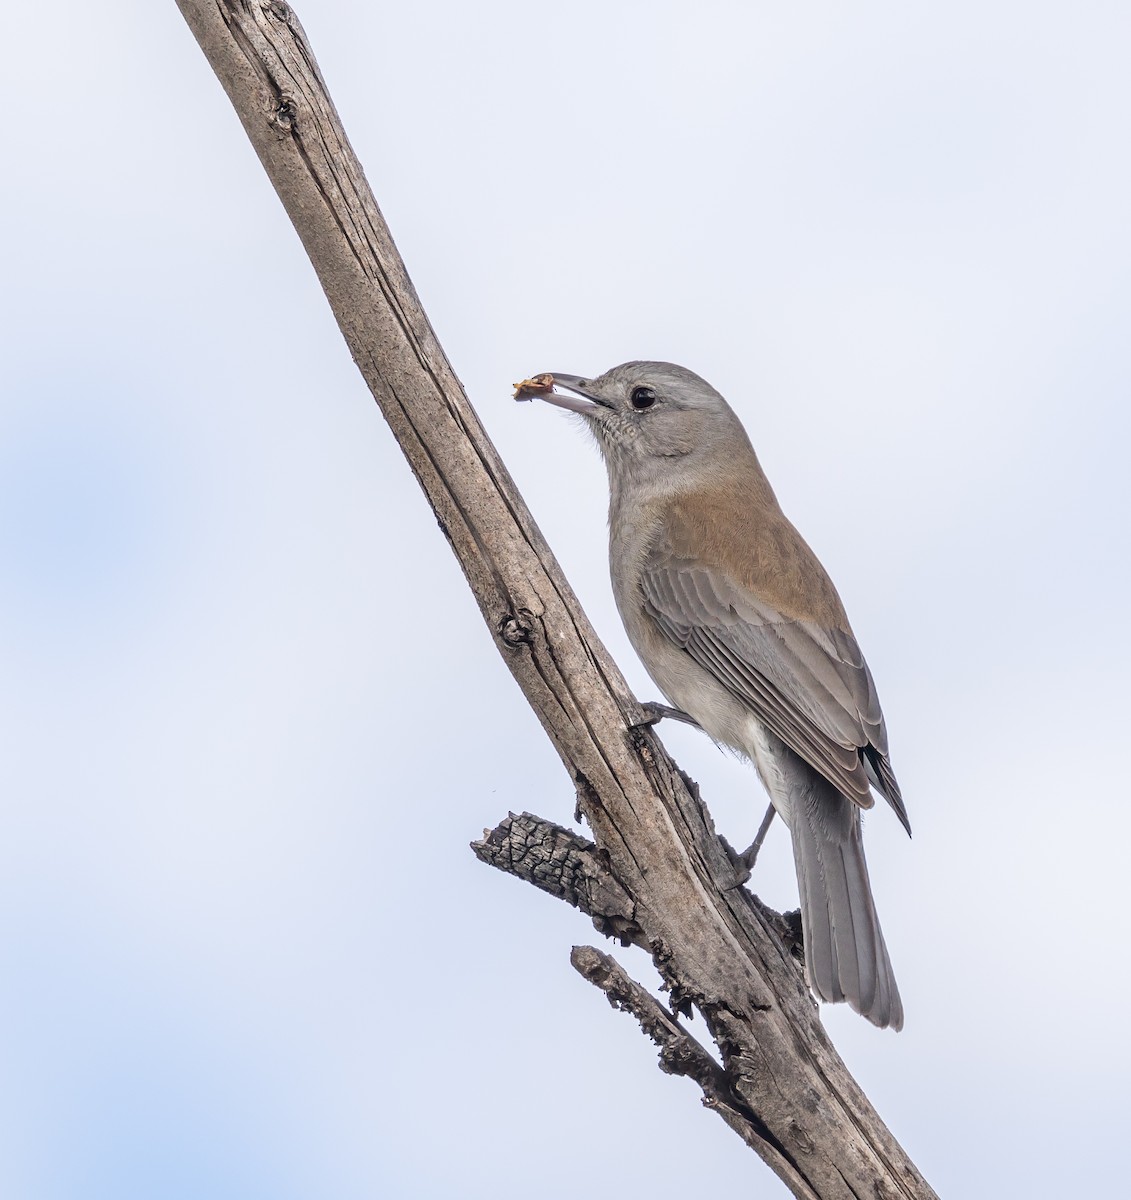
715	946
680	1052
566	865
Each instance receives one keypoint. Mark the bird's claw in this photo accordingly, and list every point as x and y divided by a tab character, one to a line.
655	712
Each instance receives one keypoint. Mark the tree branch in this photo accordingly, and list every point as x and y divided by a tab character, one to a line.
681	1054
658	864
567	866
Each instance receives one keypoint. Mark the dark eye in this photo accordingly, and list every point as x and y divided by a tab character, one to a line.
642	398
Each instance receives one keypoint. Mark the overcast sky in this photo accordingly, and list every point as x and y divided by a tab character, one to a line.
250	717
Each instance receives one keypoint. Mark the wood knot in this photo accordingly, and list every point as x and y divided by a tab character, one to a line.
517	629
278	9
801	1140
285	113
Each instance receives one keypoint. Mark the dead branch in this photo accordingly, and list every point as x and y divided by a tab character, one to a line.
657	873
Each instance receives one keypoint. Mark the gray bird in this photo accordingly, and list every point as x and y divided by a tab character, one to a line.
740	627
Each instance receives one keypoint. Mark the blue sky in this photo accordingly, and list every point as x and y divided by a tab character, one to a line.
241	675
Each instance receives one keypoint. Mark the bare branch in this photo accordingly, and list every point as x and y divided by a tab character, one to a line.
716	948
681	1054
567	866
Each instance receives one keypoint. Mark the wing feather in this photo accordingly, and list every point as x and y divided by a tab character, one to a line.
808	683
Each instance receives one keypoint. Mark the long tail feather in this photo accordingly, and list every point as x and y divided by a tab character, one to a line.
845	955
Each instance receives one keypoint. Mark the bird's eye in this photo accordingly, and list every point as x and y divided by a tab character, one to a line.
642	398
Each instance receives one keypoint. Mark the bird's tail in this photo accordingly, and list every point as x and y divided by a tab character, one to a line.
845	955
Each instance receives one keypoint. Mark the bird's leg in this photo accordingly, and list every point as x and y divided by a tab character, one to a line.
750	855
654	712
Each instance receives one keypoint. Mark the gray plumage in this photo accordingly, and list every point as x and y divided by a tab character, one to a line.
739	625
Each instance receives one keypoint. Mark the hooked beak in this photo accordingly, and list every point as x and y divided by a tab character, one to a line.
569	392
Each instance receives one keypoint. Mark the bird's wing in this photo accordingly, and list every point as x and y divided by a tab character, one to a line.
806	682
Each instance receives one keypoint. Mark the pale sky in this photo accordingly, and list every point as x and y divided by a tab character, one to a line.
251	718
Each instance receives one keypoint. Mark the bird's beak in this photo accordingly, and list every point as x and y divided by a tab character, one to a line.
569	392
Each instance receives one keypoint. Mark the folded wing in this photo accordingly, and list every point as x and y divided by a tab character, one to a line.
807	683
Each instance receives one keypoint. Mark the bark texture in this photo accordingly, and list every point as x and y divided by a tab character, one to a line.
656	874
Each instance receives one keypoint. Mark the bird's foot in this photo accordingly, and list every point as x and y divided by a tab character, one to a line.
654	712
749	856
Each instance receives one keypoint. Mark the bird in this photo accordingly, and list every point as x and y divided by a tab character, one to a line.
741	628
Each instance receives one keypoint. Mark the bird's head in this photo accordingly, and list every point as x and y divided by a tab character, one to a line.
652	420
